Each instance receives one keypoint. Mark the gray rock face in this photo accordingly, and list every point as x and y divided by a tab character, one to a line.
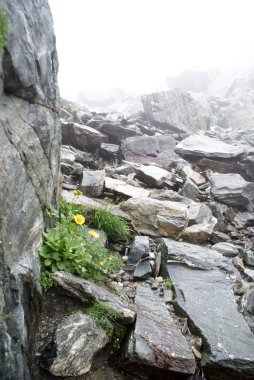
30	61
141	149
232	189
189	189
143	270
109	151
118	132
92	182
77	339
86	291
29	167
157	347
177	109
81	136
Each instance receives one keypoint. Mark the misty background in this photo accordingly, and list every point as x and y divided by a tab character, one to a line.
116	48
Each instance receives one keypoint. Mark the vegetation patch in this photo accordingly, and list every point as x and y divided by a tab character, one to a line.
71	247
168	283
115	227
108	319
3	30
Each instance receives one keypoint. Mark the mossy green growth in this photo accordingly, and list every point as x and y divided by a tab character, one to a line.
108	319
168	283
46	281
3	30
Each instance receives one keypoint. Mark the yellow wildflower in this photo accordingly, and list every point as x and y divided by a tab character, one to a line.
79	219
101	263
77	192
110	258
94	233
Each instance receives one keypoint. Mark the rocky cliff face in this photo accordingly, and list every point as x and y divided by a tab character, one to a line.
29	167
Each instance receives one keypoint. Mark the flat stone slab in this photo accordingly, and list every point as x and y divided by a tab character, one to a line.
156	345
152	175
123	188
193	256
207	300
87	291
205	146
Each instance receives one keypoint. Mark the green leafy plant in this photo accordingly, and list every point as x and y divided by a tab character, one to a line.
46	281
3	30
71	247
115	227
108	319
168	283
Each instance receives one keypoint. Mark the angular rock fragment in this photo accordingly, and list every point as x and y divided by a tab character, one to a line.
109	151
143	270
81	136
87	291
154	217
189	189
156	348
153	149
226	249
125	189
92	182
205	146
152	176
138	249
232	189
76	340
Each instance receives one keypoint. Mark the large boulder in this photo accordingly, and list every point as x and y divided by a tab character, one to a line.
156	348
155	217
205	146
76	341
81	136
232	189
177	110
141	149
29	165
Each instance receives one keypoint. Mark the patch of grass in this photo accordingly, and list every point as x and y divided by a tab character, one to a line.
116	228
107	318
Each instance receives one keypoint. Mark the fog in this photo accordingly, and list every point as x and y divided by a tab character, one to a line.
135	44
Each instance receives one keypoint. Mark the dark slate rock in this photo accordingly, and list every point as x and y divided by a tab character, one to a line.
87	291
232	189
189	189
81	136
109	151
138	249
227	249
199	213
208	147
143	270
248	258
76	341
153	149
156	349
117	132
152	176
92	182
206	299
192	255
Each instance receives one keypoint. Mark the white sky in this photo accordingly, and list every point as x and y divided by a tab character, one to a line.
135	44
